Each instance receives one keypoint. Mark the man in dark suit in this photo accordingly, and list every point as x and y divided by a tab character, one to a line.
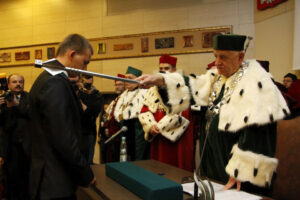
13	115
58	165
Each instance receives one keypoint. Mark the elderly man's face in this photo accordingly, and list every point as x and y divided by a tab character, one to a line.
119	87
166	67
16	84
228	62
287	82
130	86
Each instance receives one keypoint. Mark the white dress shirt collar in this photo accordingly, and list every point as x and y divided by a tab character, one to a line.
54	72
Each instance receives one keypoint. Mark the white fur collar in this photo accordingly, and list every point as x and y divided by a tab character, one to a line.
153	100
255	100
129	104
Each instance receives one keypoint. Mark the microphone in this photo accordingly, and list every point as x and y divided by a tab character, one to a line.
123	129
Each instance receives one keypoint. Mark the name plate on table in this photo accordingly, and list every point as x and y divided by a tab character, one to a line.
145	184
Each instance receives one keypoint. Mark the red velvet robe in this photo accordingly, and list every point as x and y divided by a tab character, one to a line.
179	154
112	149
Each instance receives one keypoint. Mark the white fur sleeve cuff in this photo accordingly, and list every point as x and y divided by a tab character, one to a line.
173	126
178	93
248	166
147	121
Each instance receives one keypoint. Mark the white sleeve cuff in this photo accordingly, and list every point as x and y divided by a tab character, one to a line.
248	166
173	126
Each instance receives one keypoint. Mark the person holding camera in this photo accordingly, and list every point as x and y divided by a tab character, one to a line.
13	158
92	102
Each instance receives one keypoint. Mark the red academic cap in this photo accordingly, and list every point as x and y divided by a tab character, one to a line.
210	65
121	76
168	59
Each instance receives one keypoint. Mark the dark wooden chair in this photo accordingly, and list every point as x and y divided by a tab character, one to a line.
287	184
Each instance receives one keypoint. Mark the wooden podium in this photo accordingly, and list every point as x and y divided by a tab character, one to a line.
107	188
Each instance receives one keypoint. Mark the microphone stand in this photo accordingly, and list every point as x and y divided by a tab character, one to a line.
207	190
123	129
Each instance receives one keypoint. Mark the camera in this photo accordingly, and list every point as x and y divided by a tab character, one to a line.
8	96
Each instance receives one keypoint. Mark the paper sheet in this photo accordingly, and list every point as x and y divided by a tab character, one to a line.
222	194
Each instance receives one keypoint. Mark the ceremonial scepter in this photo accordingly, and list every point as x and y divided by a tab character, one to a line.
40	63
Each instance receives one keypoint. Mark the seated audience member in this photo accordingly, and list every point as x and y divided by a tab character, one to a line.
290	101
171	143
13	157
288	79
294	93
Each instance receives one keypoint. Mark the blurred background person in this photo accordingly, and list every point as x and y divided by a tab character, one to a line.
110	152
92	102
288	79
294	93
127	111
13	157
120	85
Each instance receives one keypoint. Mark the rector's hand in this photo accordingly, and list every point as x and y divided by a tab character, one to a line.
231	182
148	80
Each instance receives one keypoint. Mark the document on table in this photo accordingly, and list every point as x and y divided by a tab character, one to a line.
220	194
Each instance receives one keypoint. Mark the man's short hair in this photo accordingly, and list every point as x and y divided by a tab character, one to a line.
14	74
87	76
74	42
292	76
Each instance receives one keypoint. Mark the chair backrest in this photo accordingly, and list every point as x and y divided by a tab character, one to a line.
287	184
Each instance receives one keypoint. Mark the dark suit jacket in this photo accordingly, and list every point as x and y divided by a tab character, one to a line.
94	103
58	165
13	124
